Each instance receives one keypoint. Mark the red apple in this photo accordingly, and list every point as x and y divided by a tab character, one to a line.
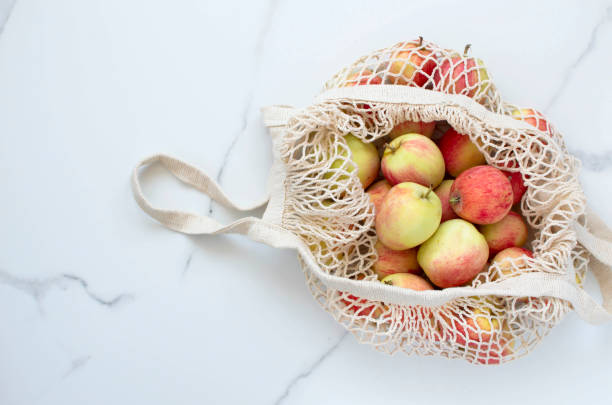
464	75
394	261
412	64
413	127
518	186
459	152
481	195
362	78
474	327
507	257
510	231
377	193
361	306
443	193
533	118
494	353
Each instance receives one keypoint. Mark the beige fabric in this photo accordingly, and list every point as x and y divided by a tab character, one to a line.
322	211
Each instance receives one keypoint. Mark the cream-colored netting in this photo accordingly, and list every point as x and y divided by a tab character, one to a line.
328	209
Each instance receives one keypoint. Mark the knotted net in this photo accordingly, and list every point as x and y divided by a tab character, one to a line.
326	206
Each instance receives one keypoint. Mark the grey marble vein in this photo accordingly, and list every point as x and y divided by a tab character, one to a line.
187	263
606	18
6	10
595	162
306	373
38	288
77	364
246	109
109	303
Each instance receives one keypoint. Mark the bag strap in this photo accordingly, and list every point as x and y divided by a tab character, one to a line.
197	224
598	241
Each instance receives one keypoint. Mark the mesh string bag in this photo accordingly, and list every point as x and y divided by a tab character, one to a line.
318	206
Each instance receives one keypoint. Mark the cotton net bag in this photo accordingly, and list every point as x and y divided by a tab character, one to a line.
318	206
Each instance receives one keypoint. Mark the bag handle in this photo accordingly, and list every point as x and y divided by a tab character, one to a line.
275	117
196	224
598	241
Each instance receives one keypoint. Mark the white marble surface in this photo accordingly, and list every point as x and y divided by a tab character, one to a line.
100	305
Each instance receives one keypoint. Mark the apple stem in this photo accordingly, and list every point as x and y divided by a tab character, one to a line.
466	49
454	200
420	40
429	191
392	148
389	282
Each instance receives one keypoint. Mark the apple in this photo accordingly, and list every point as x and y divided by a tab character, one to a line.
365	158
481	195
362	78
394	261
325	254
474	326
407	280
377	193
409	215
510	231
495	353
459	152
532	117
443	193
464	75
509	256
518	186
412	64
361	306
454	255
413	127
413	158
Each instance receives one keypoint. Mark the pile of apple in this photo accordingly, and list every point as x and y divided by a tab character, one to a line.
441	213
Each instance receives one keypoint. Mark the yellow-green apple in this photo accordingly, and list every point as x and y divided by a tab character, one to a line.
365	158
443	193
362	78
481	195
377	193
532	117
464	75
414	158
454	255
518	185
413	127
407	280
459	152
394	261
409	215
510	231
412	64
326	255
509	256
